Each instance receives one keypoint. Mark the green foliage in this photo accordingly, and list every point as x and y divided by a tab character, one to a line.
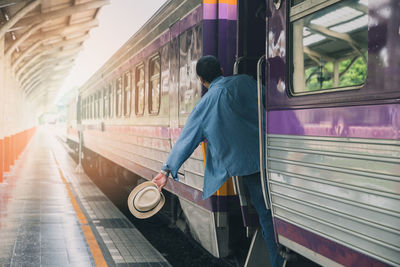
321	77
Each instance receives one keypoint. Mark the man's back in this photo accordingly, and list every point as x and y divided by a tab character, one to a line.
231	128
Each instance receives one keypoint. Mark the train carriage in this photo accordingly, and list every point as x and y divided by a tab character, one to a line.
135	106
332	142
330	71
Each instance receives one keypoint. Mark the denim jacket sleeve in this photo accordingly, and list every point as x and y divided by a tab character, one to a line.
188	140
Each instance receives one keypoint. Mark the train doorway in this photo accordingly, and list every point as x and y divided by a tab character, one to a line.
251	30
251	36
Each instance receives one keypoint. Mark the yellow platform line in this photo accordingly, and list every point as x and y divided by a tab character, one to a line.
87	231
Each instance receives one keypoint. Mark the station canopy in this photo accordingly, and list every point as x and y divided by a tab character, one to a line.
42	40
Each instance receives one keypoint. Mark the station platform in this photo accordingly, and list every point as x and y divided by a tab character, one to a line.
50	215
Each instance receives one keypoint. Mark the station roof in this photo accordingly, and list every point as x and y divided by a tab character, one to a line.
42	40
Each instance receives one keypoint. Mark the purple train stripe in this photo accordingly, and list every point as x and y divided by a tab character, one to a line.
323	246
373	121
227	11
224	9
210	11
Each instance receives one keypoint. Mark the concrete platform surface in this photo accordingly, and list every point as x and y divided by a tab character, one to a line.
50	215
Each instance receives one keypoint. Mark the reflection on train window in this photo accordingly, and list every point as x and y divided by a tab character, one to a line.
127	94
330	48
154	84
139	90
189	85
105	103
118	97
110	100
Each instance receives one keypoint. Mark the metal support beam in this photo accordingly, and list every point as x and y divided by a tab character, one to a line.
317	55
22	38
18	16
40	71
48	78
25	53
37	67
64	32
63	12
43	53
47	47
339	36
47	74
5	3
84	26
42	89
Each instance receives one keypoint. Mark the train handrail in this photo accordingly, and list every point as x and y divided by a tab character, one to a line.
263	172
238	61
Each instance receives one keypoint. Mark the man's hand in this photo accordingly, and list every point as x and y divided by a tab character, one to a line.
160	180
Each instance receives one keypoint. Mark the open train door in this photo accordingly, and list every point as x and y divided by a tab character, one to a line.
252	18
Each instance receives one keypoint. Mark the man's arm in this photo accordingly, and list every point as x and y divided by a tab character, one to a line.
189	139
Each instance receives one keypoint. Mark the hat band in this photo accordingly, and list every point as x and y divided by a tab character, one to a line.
158	202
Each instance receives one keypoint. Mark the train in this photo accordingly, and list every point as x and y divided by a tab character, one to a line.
328	75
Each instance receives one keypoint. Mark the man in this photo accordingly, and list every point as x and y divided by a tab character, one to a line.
227	118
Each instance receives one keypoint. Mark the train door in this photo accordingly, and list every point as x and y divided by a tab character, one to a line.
251	38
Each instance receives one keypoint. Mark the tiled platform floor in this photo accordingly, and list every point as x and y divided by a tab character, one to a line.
40	224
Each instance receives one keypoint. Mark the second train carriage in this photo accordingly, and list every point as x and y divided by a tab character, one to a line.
134	107
332	121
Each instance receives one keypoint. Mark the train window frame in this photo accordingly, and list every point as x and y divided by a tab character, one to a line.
99	101
151	78
110	100
91	107
138	67
96	106
300	11
127	93
83	109
105	100
118	97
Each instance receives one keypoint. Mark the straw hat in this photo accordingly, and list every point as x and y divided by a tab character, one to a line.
145	200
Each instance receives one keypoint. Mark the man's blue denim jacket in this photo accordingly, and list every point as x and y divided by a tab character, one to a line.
227	118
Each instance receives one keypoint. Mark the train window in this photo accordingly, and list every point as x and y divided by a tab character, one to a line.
96	106
99	104
118	97
330	44
88	107
154	84
110	100
91	107
139	89
83	109
189	85
105	102
127	94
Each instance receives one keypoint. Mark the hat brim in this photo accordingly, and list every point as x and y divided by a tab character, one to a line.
147	214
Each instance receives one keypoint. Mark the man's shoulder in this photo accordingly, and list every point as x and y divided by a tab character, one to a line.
238	79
